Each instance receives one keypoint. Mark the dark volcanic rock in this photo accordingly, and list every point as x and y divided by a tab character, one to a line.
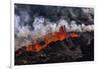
59	51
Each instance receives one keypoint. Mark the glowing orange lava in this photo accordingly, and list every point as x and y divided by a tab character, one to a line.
53	37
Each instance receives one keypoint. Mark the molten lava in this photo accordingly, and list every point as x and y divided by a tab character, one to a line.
53	37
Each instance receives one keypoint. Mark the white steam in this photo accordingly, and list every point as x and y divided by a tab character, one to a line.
25	36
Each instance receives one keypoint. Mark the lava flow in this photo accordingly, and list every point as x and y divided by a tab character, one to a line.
53	37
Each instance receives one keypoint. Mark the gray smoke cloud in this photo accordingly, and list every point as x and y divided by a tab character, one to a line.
23	32
24	22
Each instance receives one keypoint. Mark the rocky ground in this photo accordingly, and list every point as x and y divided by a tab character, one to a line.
68	50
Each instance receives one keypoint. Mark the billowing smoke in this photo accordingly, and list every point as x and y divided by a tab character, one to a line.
41	29
29	31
